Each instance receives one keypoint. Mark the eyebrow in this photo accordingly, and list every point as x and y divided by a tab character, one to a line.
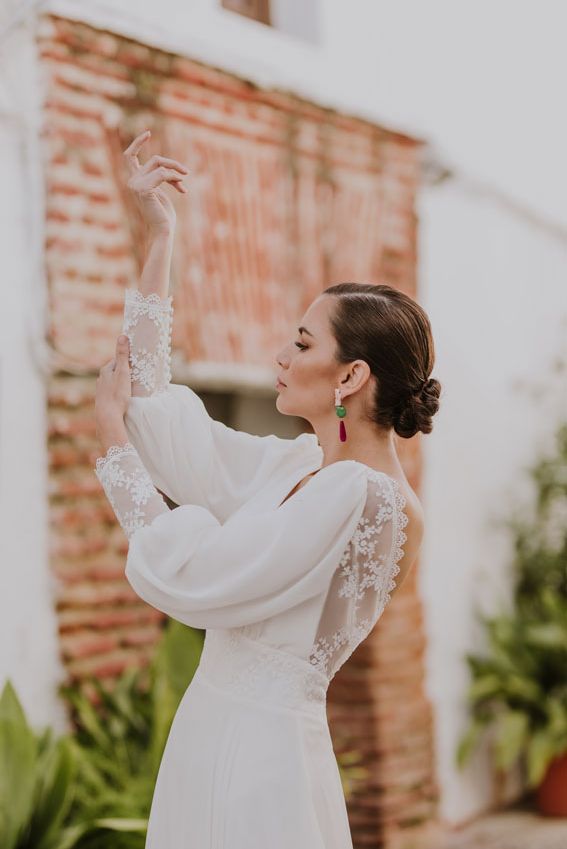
304	330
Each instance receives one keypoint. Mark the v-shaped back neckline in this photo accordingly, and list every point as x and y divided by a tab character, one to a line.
312	473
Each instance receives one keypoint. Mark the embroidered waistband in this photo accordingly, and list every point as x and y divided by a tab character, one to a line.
254	670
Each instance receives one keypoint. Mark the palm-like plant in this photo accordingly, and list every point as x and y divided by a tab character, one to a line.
118	744
36	782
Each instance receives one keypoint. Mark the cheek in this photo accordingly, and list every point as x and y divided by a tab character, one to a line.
310	369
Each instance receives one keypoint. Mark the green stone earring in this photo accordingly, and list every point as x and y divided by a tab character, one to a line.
340	410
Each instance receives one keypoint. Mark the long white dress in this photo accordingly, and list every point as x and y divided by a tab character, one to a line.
285	594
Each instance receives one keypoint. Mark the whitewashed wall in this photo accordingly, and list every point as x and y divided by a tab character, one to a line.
29	653
492	277
495	290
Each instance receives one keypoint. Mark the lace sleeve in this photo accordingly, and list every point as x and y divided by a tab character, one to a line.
361	586
129	488
147	323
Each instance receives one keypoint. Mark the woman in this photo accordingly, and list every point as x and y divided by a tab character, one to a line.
285	550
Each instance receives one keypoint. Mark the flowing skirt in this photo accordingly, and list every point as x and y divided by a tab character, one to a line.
249	761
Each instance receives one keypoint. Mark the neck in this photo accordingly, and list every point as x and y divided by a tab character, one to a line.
364	443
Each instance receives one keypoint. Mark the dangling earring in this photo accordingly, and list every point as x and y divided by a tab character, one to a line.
340	410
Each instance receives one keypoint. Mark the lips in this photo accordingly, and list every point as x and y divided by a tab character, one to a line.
280	382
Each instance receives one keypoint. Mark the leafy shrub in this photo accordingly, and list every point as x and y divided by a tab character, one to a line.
519	689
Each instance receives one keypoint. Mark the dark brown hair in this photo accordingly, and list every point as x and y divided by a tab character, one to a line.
392	333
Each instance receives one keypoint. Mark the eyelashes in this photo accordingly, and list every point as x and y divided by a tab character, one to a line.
300	346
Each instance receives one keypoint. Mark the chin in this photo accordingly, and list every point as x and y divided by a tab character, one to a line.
280	406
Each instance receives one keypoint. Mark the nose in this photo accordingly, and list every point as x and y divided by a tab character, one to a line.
281	359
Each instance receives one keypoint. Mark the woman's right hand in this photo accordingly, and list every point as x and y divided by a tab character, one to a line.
146	180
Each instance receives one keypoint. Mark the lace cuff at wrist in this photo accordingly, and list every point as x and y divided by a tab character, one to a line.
129	487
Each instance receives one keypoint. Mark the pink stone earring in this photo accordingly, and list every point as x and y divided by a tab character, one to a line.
340	410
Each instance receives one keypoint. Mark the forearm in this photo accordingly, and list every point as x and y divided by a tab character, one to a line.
110	430
157	266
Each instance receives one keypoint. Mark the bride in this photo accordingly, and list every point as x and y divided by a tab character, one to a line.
286	551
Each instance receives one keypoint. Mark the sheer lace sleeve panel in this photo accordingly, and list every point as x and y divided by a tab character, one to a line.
361	586
129	488
147	323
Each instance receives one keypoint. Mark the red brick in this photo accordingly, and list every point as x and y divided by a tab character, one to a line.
267	168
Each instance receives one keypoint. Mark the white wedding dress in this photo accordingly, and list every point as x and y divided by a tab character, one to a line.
285	594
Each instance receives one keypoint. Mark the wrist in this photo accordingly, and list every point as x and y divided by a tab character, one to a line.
160	235
112	433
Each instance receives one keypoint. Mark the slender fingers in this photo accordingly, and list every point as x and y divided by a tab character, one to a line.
161	174
131	152
156	161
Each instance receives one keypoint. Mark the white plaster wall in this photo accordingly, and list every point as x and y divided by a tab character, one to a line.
495	290
481	82
29	653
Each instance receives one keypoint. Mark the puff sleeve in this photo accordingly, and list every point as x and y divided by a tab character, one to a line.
191	457
254	566
340	536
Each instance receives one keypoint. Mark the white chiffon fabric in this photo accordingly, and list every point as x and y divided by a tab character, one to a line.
286	592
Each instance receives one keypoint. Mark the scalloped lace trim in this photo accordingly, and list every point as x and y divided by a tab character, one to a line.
134	296
359	578
113	452
129	487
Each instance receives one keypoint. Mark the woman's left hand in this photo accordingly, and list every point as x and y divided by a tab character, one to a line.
113	390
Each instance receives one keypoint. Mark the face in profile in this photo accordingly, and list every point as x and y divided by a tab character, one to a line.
308	370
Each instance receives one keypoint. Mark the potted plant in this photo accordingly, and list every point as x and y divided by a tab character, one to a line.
519	686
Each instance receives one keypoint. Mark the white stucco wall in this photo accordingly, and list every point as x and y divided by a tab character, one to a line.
491	278
29	652
495	290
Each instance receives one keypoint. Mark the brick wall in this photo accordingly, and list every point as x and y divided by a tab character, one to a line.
285	199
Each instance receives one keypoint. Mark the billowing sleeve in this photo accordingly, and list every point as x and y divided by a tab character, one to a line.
191	457
255	565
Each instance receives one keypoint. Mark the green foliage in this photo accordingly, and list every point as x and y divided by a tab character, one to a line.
93	788
352	771
36	782
519	688
119	744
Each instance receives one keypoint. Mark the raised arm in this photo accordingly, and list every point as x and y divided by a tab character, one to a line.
148	309
190	457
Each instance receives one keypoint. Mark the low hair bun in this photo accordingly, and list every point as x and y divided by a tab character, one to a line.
416	414
392	333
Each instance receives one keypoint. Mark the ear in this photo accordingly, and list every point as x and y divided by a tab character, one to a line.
356	377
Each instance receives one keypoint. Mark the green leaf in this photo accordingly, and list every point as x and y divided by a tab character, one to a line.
468	742
551	635
557	713
485	687
53	793
542	749
135	826
70	836
524	688
18	753
511	736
